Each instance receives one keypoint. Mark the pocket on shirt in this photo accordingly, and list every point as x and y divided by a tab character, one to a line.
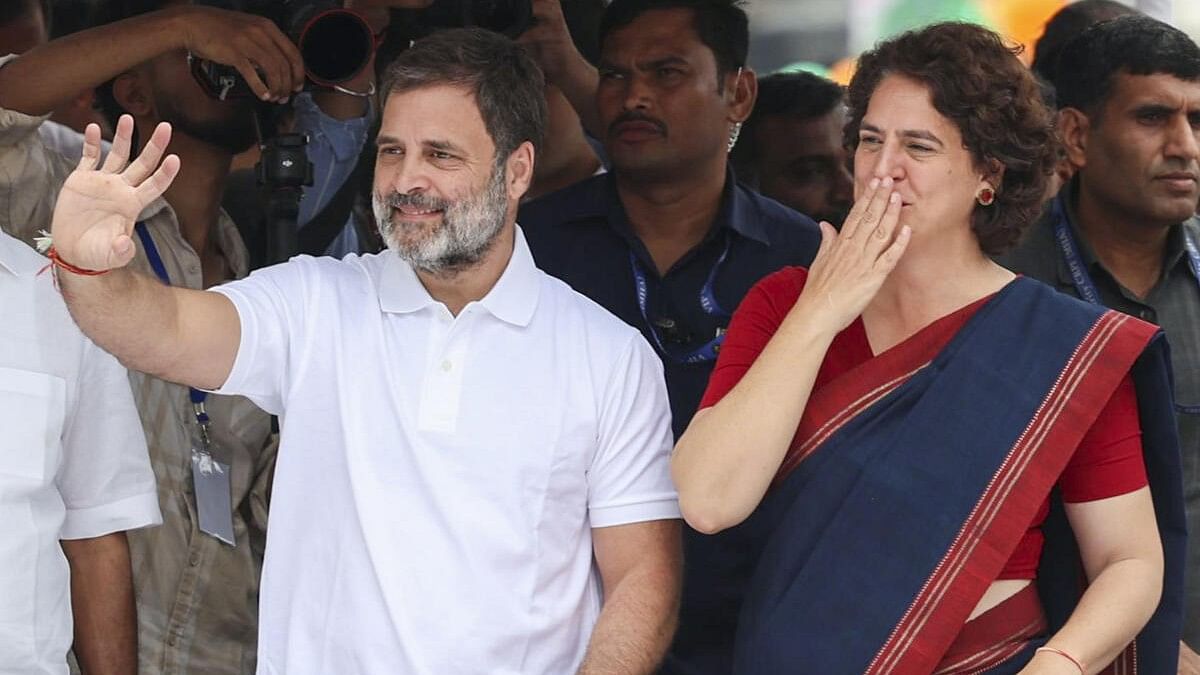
32	409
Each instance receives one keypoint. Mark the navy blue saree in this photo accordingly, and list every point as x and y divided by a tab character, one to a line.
914	476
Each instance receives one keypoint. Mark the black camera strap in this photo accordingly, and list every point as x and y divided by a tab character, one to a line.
317	234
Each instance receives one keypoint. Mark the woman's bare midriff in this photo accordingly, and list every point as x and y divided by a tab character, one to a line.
997	593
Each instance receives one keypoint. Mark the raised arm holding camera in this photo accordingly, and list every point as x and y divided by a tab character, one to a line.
549	40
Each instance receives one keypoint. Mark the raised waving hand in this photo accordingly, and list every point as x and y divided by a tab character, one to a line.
98	206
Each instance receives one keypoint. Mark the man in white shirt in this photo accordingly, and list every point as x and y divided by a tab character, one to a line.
473	467
74	476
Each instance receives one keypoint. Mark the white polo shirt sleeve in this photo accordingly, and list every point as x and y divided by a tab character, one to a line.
270	320
105	478
629	479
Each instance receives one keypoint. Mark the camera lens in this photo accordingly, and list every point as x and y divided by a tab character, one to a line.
335	45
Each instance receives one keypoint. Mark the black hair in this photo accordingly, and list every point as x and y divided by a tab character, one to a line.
722	26
976	81
1134	45
1066	25
801	96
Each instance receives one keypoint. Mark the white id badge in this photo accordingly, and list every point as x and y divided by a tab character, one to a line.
211	478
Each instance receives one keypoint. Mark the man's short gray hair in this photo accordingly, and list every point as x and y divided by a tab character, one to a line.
505	81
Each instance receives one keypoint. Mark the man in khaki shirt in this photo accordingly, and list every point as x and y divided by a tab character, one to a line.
196	595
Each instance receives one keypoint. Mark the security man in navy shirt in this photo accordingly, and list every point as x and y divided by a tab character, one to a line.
669	242
584	236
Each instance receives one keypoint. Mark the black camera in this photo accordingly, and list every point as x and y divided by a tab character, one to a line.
335	43
507	17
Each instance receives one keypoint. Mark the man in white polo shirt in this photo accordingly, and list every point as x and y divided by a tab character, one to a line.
473	468
74	476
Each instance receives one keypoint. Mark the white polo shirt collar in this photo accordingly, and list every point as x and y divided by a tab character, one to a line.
513	299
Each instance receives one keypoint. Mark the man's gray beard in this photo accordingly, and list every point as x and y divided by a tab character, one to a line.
468	228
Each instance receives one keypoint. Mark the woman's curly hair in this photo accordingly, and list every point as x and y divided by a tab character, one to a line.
978	83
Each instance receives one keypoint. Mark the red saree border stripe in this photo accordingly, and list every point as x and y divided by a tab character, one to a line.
997	653
947	570
838	402
1047	431
1003	483
1001	487
802	450
998	657
1125	663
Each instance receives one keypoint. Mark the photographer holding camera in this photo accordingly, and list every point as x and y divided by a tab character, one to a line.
197	575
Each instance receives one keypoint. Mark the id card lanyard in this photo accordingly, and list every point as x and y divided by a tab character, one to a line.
214	501
708	303
1083	283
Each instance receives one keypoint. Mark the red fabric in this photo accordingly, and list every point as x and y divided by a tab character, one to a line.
1107	463
995	636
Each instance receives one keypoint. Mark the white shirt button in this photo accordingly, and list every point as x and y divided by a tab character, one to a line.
446	365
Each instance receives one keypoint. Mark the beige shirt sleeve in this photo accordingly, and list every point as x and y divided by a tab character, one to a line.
31	174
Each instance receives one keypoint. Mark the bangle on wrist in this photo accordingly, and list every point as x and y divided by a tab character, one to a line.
1063	654
350	92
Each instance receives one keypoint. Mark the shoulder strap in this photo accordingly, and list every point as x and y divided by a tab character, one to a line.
317	234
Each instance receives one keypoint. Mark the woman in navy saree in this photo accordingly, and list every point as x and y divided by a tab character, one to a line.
885	429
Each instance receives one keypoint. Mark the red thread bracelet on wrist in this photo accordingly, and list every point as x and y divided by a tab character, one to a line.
1065	655
55	258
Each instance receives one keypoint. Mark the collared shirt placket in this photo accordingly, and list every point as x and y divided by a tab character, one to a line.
441	385
180	631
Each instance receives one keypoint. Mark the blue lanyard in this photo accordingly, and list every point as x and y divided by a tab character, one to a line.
1083	281
160	270
708	302
1193	255
1070	251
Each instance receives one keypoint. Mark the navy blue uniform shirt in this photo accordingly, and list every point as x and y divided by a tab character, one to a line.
581	235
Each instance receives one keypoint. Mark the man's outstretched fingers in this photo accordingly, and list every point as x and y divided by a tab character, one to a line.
118	155
153	187
148	160
91	148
